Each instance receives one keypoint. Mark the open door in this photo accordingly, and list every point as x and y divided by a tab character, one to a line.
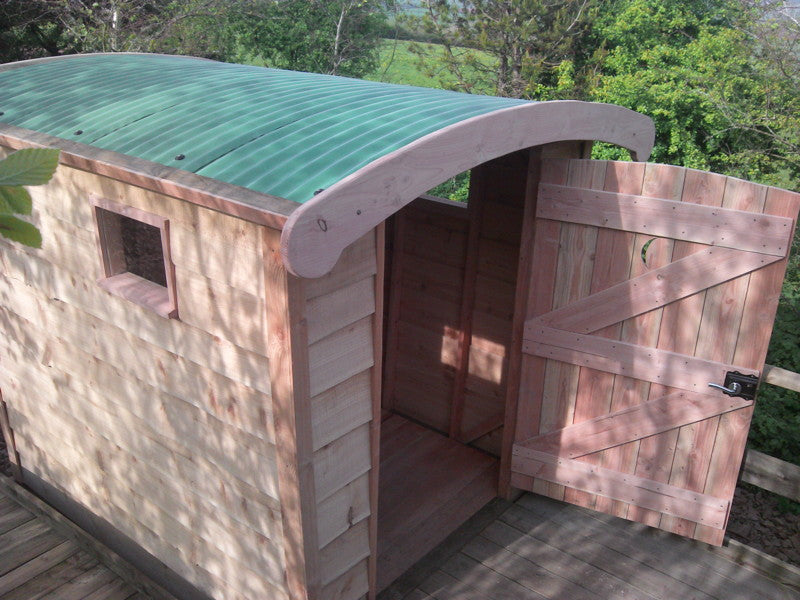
652	287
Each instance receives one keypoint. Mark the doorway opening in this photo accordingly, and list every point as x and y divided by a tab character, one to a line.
451	276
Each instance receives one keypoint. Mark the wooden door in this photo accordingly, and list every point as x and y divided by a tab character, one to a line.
648	282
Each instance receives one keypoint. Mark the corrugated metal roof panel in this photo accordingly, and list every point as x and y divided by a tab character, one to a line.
283	133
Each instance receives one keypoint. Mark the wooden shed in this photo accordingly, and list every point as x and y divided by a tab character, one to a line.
254	357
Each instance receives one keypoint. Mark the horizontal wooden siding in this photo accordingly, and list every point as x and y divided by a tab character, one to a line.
161	427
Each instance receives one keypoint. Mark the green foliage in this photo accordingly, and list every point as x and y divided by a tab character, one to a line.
32	166
17	230
339	37
776	420
29	29
456	188
527	40
695	69
15	200
36	28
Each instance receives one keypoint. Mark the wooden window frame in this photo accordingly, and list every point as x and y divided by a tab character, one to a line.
116	278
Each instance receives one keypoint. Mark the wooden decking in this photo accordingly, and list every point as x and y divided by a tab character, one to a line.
538	548
429	485
46	558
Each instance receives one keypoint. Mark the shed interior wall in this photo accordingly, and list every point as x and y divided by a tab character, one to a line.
450	302
451	305
161	427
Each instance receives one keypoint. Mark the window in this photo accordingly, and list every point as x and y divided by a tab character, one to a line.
134	249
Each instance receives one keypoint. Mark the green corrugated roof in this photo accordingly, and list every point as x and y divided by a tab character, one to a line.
279	132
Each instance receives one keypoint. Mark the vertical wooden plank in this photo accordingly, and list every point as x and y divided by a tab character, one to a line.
679	330
544	259
393	313
520	311
287	351
8	436
749	347
626	178
654	458
718	334
577	245
375	425
593	397
476	202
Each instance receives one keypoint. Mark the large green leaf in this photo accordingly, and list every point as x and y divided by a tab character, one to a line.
31	166
20	231
15	199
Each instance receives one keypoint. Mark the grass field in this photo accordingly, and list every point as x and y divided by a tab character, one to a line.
398	64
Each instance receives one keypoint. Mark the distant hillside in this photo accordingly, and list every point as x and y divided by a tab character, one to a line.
414	7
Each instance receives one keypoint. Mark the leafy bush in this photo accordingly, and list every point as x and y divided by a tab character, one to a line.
776	420
32	166
456	188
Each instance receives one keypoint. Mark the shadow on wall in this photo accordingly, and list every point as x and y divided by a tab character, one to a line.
162	427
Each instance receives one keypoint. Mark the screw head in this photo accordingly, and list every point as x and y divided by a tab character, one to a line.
180	157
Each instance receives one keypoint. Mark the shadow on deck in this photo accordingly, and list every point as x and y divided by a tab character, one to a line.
44	556
539	548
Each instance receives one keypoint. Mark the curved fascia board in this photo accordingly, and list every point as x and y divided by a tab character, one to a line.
316	233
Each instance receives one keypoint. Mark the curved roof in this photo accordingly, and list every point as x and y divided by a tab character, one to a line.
345	153
283	133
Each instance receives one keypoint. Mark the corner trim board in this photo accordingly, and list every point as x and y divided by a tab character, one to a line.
287	353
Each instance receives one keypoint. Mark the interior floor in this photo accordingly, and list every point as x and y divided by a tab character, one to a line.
429	485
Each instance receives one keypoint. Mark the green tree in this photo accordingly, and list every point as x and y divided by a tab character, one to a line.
35	28
719	78
30	29
529	40
339	37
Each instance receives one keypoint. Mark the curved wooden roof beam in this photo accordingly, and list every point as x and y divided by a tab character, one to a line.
319	230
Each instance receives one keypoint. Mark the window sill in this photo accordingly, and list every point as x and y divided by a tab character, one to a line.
142	292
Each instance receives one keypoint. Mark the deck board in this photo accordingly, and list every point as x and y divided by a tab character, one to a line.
542	548
429	485
40	560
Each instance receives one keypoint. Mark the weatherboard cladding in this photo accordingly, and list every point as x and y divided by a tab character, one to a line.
283	133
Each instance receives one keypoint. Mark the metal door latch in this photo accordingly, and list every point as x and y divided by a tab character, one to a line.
738	384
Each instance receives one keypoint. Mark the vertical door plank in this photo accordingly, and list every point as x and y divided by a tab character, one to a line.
679	332
393	313
539	301
626	178
654	459
375	425
477	197
718	334
573	279
595	387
